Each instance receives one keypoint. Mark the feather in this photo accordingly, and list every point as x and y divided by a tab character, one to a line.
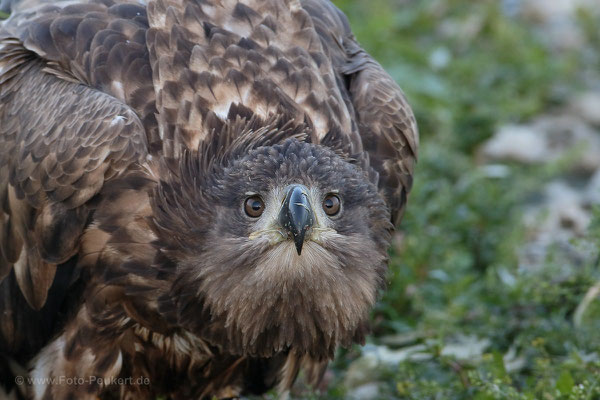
386	124
49	178
126	128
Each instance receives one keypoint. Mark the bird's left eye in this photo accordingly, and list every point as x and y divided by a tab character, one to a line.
331	204
254	206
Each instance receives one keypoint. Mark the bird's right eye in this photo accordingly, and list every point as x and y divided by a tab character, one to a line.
254	206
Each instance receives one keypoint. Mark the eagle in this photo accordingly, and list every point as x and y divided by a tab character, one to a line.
197	196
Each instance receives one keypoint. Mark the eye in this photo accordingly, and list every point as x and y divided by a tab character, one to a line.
331	204
254	206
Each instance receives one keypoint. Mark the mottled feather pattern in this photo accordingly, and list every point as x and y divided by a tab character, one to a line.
101	44
263	55
387	126
130	133
55	165
389	132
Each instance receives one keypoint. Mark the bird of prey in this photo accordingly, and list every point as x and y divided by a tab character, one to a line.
197	196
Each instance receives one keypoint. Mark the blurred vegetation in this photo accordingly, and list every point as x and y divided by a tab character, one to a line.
468	68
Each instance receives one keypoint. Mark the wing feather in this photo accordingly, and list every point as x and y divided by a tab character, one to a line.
386	123
389	130
100	44
88	89
264	55
59	142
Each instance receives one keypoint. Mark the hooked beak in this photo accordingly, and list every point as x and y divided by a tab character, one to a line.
296	214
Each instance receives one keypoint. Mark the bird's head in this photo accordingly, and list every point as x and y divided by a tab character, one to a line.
276	247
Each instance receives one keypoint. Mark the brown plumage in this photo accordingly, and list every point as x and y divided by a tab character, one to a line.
200	193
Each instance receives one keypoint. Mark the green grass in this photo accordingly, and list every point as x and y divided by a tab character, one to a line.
454	282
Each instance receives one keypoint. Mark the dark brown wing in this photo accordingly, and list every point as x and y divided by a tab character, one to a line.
59	142
388	128
99	43
385	120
